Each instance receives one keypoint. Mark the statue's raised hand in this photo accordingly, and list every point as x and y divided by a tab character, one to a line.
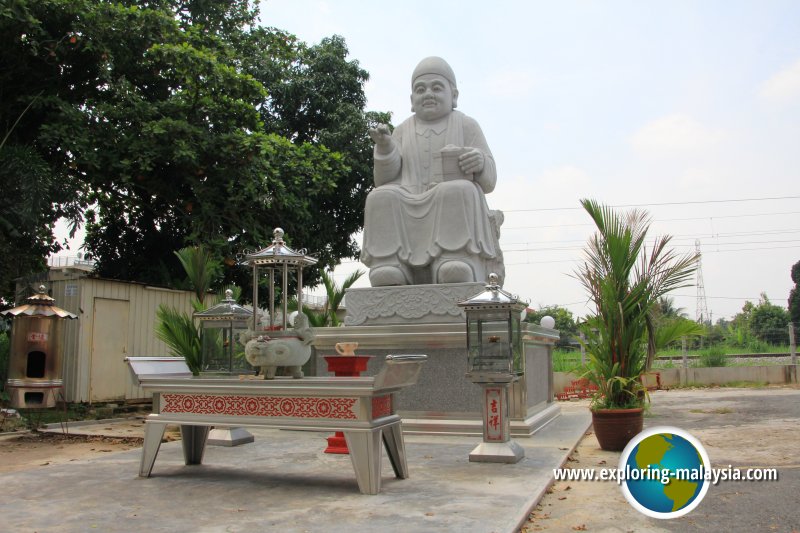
382	138
471	162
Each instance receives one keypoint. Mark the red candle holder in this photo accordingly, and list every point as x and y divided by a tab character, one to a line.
344	366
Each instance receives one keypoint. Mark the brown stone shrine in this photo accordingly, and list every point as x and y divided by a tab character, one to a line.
35	360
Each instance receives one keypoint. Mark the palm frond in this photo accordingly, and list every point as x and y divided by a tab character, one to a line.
178	332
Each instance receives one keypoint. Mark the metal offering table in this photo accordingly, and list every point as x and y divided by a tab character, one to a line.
361	407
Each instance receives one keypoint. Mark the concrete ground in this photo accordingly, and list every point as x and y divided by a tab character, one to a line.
284	481
744	428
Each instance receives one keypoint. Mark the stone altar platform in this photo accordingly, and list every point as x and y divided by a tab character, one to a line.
443	400
361	407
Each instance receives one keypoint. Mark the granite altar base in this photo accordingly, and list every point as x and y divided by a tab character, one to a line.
444	401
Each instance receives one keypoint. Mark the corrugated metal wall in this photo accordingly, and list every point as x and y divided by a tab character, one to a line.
77	294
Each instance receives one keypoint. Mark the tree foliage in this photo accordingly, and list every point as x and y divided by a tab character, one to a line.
768	322
565	322
794	297
179	122
756	325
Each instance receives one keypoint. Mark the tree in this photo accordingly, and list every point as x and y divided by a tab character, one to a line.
180	122
794	296
665	309
565	322
768	322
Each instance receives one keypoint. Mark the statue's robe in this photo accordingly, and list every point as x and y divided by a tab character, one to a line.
413	218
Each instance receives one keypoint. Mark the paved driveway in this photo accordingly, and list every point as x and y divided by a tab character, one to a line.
739	427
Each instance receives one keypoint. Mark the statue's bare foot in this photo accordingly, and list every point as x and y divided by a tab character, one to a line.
455	272
387	275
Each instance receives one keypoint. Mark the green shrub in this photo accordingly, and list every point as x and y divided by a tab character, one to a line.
714	356
758	346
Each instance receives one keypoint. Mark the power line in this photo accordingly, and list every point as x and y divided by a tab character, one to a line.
691	202
577	260
676	245
675	237
659	220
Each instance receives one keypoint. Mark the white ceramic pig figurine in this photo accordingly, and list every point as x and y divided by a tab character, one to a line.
292	351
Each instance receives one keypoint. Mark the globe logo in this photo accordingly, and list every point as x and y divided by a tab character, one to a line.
665	471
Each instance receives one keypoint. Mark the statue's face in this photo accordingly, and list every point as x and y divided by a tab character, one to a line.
432	97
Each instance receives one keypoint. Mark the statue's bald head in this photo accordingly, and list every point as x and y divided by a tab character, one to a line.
434	65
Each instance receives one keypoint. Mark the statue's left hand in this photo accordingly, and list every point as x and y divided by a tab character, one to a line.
471	162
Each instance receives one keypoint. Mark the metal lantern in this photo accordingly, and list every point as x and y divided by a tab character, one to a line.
35	372
494	340
494	361
220	327
278	259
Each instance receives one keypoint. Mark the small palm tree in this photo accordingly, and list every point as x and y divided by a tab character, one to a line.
202	269
177	329
625	281
336	294
179	333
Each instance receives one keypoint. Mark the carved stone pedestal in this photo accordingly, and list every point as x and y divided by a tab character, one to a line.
409	304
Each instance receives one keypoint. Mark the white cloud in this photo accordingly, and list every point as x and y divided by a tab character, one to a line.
511	83
783	87
524	192
675	135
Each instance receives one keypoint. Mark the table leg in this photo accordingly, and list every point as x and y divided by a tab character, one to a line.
194	443
396	449
153	433
365	454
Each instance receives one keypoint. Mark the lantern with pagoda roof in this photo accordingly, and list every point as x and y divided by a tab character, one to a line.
279	261
275	345
35	366
220	327
494	361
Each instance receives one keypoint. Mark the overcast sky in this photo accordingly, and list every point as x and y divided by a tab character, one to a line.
690	110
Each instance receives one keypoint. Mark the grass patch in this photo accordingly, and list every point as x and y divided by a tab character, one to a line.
746	384
566	361
665	364
728	384
729	350
689	385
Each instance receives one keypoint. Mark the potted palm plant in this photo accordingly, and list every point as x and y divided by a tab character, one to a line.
625	276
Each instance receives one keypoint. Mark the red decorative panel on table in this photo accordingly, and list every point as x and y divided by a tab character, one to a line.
269	406
381	406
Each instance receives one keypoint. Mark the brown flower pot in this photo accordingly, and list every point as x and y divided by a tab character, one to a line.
614	428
